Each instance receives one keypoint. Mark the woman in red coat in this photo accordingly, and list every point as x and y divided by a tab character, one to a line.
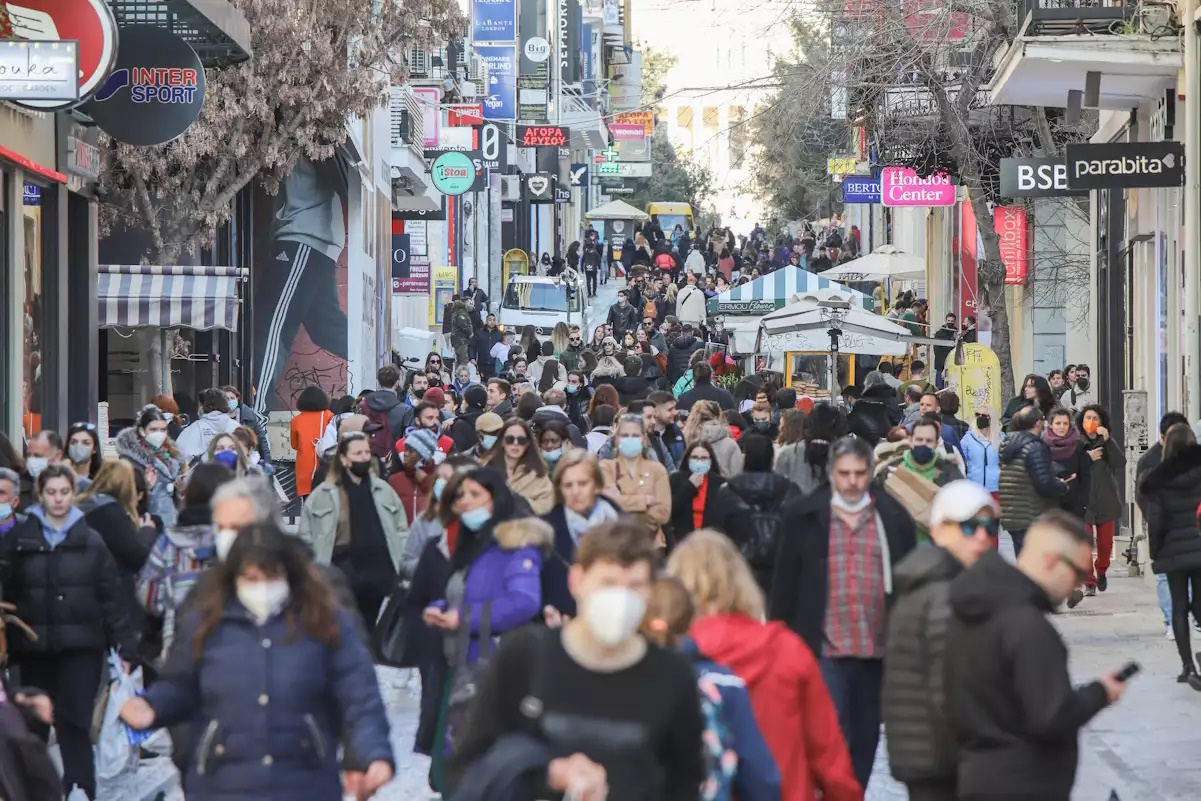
791	704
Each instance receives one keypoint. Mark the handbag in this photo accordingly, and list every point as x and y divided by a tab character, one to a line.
397	637
464	683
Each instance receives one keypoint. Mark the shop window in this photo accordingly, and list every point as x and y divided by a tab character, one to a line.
33	312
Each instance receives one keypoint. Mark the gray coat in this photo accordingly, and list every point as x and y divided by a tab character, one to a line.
792	464
1104	494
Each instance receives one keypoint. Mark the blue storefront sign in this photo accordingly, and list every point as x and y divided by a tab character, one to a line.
32	195
494	20
860	189
501	102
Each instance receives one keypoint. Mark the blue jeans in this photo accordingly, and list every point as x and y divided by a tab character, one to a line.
1018	538
854	686
1165	598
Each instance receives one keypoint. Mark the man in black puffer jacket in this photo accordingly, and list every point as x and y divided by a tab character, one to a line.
921	746
679	354
1027	486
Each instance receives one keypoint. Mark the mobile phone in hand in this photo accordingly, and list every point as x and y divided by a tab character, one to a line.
1128	671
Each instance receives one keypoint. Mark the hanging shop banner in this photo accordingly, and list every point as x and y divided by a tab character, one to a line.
533	77
39	71
627	132
901	186
154	93
860	189
494	20
414	214
479	183
539	188
453	173
464	114
1036	177
1010	225
1125	165
410	274
562	194
578	175
644	118
841	165
428	97
501	102
493	144
89	23
543	136
568	37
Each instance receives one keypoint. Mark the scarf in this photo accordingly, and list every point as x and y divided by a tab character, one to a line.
925	471
1062	448
577	524
1094	442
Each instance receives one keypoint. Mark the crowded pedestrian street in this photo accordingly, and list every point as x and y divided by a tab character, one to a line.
600	400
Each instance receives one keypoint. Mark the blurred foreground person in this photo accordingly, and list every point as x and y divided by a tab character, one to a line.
1011	701
303	674
557	697
964	522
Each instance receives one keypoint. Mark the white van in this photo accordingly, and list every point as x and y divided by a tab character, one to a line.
542	302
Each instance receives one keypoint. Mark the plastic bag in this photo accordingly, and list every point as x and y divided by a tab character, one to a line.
114	752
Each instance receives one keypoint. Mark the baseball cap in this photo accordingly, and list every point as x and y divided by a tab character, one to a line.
959	501
489	422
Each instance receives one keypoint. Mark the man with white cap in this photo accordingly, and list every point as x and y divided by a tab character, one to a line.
964	521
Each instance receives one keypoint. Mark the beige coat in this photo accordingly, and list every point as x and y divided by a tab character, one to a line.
631	492
536	489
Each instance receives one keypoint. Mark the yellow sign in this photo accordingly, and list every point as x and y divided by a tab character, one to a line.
977	382
444	281
644	118
841	165
515	262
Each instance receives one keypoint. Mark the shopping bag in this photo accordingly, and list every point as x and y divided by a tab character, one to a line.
398	635
114	752
913	492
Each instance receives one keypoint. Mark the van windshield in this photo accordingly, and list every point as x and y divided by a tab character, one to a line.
539	297
668	222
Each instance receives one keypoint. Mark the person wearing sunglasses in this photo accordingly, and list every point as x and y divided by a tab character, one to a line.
519	459
964	522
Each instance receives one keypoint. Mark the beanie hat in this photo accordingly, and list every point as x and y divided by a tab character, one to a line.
475	396
423	441
434	395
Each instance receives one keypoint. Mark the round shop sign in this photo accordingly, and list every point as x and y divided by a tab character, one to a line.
537	49
453	173
89	22
156	90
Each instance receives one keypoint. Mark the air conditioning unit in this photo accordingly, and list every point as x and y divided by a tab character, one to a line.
418	62
477	69
510	187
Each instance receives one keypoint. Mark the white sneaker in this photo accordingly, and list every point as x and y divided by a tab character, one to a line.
1168	635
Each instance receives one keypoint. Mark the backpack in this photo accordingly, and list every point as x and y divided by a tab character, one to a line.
383	444
761	548
717	743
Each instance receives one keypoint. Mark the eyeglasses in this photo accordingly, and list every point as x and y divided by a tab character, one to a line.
516	439
1081	574
991	526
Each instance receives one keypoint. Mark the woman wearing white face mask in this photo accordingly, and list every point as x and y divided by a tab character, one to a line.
147	445
354	521
302	674
636	482
83	452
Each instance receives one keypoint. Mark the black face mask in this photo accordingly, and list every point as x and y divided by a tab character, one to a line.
418	393
1082	383
983	421
361	469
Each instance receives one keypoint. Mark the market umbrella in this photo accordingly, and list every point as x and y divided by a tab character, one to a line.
886	261
616	210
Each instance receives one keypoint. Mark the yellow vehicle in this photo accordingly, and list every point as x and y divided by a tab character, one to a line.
672	214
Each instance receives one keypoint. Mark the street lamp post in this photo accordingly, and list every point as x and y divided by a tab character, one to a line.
835	313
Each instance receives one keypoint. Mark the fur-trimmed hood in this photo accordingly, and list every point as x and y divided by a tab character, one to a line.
524	532
130	446
713	431
609	367
889	454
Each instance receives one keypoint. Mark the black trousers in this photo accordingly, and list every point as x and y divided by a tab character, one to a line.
931	791
299	286
72	680
1178	586
590	275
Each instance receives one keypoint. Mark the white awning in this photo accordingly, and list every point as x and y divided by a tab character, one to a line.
140	295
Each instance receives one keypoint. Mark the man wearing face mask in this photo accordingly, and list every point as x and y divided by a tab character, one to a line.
1027	483
622	711
45	449
10	491
922	455
243	414
832	587
623	316
1080	390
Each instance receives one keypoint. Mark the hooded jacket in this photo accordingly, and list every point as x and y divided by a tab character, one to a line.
129	543
706	391
1014	709
690	305
921	745
790	700
161	497
729	456
1027	484
679	354
69	593
194	440
748	503
982	459
890	457
1170	495
387	402
176	560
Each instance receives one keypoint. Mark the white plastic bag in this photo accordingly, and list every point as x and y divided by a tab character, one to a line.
114	752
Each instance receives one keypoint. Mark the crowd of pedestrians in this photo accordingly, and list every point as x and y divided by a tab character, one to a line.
619	572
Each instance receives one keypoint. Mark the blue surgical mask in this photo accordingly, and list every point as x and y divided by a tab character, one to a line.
227	458
439	486
475	519
572	389
232	404
629	447
553	456
699	466
487	440
923	454
6	511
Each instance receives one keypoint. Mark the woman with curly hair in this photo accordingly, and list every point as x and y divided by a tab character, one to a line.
1104	505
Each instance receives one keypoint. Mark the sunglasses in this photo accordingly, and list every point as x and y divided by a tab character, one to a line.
84	426
990	525
1081	574
515	439
575	340
435	363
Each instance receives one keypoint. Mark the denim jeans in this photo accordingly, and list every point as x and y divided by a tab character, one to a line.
854	686
1165	598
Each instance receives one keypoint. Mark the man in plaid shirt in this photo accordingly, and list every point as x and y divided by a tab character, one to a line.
832	582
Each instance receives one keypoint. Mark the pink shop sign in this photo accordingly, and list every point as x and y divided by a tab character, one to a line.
901	186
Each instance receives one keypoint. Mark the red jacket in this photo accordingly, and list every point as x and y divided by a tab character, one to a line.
414	490
791	704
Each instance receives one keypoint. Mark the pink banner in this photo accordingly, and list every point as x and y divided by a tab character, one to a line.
627	132
901	186
1010	224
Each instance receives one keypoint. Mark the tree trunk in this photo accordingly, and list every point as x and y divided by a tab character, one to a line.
991	278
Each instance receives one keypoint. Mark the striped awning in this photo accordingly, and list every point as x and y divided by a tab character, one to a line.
773	291
137	295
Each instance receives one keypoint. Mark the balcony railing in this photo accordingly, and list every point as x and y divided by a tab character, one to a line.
407	125
1065	17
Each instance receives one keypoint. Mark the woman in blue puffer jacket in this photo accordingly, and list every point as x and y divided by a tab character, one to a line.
271	672
981	457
